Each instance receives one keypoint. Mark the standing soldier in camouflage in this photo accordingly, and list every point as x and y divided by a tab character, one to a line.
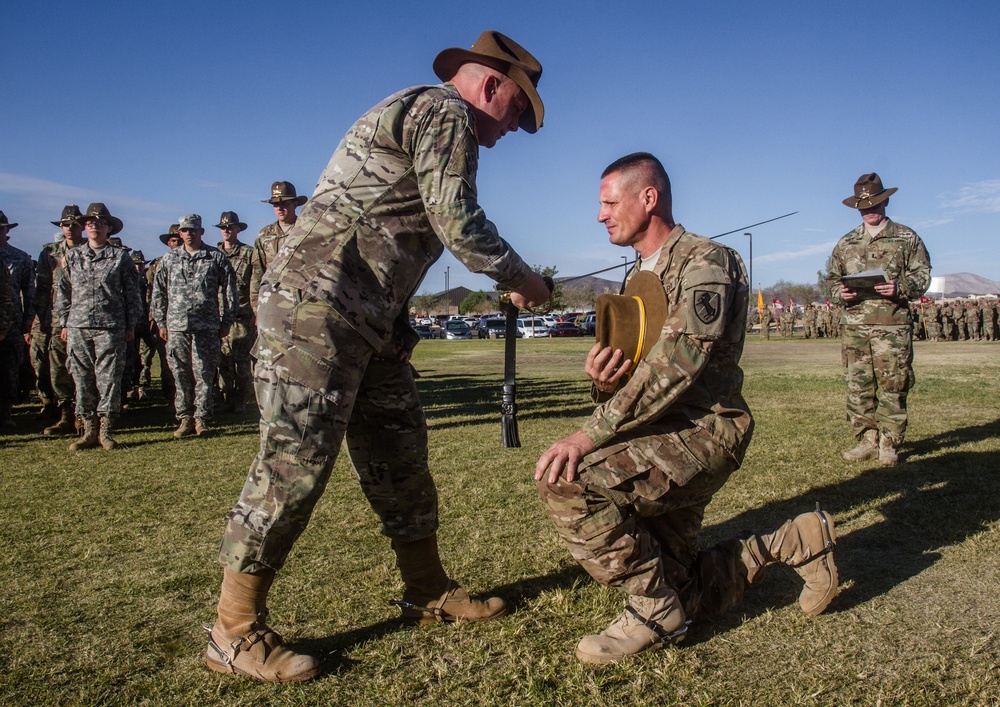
235	369
333	341
13	345
98	308
144	342
809	320
194	300
172	240
285	201
878	328
986	311
947	321
627	492
47	274
972	319
961	325
766	317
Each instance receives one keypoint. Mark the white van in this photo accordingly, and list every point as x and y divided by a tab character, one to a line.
530	330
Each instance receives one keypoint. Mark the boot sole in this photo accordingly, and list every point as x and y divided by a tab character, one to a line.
232	670
591	659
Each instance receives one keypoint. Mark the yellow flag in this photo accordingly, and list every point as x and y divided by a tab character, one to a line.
760	301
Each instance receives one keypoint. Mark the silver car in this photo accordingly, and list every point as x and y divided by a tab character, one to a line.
456	329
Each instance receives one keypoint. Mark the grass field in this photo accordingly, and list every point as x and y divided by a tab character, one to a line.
109	558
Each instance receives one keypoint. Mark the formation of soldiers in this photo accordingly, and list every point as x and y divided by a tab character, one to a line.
817	322
84	329
962	319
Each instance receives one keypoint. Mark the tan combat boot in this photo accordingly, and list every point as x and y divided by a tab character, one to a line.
887	454
185	429
646	624
66	424
429	595
88	438
806	545
867	447
202	428
107	424
241	642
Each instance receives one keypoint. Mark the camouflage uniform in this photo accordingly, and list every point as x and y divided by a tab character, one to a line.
265	248
972	320
12	347
811	330
666	442
766	317
156	345
97	302
47	275
332	322
987	312
235	370
947	322
960	321
194	296
877	343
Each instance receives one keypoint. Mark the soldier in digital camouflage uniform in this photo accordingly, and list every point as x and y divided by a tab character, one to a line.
98	307
172	240
47	274
878	329
235	368
194	301
13	346
334	342
627	492
269	240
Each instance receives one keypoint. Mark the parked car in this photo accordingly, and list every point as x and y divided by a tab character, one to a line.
564	329
456	329
588	325
426	321
424	331
491	328
531	329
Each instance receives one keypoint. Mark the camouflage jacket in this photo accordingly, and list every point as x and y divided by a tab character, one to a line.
691	378
242	259
901	255
47	273
400	187
98	289
194	291
6	306
22	285
265	248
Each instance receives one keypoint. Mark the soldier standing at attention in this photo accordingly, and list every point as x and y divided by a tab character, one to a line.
47	274
270	238
22	295
98	308
766	317
877	328
235	372
333	341
627	492
172	240
194	300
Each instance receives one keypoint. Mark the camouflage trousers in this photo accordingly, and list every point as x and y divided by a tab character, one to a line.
317	383
59	375
96	361
159	347
38	352
878	362
634	525
235	367
193	357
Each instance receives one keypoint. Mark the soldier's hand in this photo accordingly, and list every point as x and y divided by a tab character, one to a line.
533	293
64	335
562	458
163	333
606	366
886	289
847	295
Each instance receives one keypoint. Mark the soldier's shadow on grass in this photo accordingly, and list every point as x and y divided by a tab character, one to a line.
920	507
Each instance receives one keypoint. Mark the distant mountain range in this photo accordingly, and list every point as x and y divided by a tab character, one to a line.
963	284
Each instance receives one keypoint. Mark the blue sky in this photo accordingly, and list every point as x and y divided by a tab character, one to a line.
756	109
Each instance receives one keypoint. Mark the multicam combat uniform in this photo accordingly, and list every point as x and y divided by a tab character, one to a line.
47	274
97	302
877	343
235	370
194	296
988	313
332	323
666	442
765	322
265	248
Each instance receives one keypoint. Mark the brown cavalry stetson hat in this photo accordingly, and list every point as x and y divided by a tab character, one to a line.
506	56
283	191
632	321
99	210
5	222
868	192
70	214
230	218
172	233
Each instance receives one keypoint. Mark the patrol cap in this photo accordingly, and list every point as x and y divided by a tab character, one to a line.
189	221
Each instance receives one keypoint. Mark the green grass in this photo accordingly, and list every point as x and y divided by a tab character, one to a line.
109	558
